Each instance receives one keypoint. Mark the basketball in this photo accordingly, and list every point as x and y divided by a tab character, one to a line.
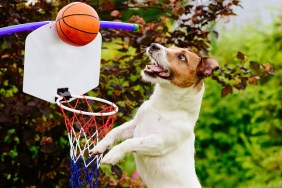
77	24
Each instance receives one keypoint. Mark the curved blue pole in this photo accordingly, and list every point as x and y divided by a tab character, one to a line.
35	25
118	25
21	27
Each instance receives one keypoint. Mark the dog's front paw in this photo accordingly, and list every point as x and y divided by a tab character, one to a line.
101	147
113	156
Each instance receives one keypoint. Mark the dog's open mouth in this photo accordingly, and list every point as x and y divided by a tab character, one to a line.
157	71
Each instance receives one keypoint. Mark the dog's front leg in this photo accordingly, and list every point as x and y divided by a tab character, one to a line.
119	133
153	145
157	144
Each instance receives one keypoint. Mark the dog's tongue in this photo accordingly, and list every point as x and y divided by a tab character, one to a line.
155	68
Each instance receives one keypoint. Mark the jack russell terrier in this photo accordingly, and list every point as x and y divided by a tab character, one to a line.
161	135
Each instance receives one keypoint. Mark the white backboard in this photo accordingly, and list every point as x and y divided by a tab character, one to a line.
50	63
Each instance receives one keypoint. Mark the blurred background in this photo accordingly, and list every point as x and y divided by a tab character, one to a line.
238	135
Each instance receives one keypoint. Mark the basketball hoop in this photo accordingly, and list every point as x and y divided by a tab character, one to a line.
49	64
115	110
88	120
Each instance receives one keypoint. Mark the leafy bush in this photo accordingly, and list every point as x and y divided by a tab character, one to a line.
34	147
238	138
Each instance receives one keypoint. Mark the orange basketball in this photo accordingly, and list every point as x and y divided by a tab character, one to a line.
77	24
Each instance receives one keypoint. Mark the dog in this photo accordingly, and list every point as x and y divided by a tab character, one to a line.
161	134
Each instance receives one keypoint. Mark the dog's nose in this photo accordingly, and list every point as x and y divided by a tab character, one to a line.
154	47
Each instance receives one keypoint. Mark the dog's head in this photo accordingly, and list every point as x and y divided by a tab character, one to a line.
178	66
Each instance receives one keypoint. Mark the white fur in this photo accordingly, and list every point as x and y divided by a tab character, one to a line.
161	136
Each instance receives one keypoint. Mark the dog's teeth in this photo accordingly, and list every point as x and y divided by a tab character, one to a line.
148	69
165	74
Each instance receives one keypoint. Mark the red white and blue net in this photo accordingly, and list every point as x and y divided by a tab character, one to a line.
85	129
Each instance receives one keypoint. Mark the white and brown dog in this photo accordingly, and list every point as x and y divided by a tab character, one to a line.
161	134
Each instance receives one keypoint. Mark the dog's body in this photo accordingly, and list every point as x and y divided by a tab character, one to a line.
161	134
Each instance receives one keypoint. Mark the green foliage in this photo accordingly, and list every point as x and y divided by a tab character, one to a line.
24	120
238	138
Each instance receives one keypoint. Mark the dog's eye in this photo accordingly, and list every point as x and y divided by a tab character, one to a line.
182	57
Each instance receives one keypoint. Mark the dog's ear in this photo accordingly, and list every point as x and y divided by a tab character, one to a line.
206	67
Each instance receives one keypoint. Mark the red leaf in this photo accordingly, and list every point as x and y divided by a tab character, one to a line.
115	13
255	65
226	90
268	69
215	34
253	80
108	4
241	56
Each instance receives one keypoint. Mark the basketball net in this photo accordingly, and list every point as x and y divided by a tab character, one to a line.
84	130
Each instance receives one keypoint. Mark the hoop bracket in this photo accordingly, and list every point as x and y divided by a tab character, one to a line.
63	92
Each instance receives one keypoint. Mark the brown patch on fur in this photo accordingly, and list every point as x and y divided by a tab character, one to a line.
184	73
206	67
198	86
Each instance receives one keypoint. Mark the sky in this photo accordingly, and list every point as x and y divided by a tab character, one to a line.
257	12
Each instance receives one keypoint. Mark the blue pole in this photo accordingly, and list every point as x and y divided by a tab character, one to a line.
36	25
